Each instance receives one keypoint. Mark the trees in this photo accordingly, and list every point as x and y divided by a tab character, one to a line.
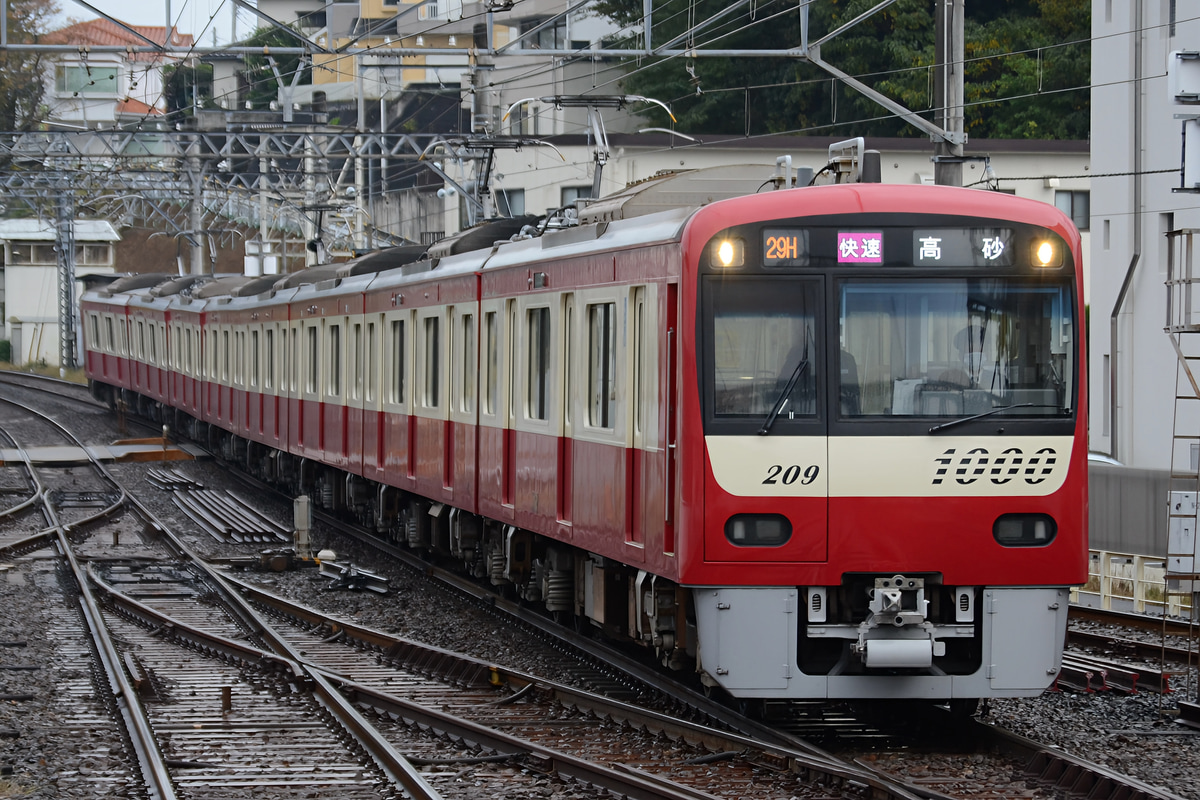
1027	70
22	83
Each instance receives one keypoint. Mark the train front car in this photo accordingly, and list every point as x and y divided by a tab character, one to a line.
885	455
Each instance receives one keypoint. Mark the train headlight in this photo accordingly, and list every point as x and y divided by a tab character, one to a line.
728	253
1025	530
1047	253
758	530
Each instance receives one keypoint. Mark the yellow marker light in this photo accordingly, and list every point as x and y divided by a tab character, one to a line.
1047	254
729	253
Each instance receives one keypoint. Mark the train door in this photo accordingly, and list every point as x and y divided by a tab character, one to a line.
464	392
765	419
352	418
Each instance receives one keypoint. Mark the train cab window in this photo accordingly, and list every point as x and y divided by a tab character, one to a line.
764	352
602	364
399	364
955	348
538	334
432	362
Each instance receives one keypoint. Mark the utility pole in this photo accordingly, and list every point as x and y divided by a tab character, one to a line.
65	244
948	89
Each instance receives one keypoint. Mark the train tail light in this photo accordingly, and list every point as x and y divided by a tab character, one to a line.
758	530
1025	530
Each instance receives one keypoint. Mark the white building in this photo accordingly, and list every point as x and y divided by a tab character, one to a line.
105	89
29	281
1136	141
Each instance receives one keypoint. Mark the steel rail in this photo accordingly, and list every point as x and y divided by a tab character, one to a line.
623	783
397	768
123	496
149	757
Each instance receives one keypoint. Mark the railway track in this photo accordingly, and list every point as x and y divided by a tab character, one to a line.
468	760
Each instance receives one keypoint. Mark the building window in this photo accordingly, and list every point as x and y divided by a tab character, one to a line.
510	202
85	80
570	194
1076	205
93	254
27	253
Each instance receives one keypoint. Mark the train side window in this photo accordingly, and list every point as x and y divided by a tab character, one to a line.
335	360
491	362
269	349
154	345
601	363
313	359
432	362
226	355
141	340
398	361
294	372
255	359
355	356
112	336
538	331
372	365
466	400
212	355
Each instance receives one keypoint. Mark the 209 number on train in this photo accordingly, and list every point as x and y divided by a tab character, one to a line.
777	473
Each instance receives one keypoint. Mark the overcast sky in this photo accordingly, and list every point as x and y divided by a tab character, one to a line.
190	16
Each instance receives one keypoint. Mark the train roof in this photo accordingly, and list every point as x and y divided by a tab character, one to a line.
684	189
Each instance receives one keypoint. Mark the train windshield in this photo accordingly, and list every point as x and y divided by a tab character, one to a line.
762	332
955	347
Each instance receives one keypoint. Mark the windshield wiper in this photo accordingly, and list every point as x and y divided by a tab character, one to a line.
783	397
988	413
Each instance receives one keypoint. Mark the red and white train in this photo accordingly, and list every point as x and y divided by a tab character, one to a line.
816	442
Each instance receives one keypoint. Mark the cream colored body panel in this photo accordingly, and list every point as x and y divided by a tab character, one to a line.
890	466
